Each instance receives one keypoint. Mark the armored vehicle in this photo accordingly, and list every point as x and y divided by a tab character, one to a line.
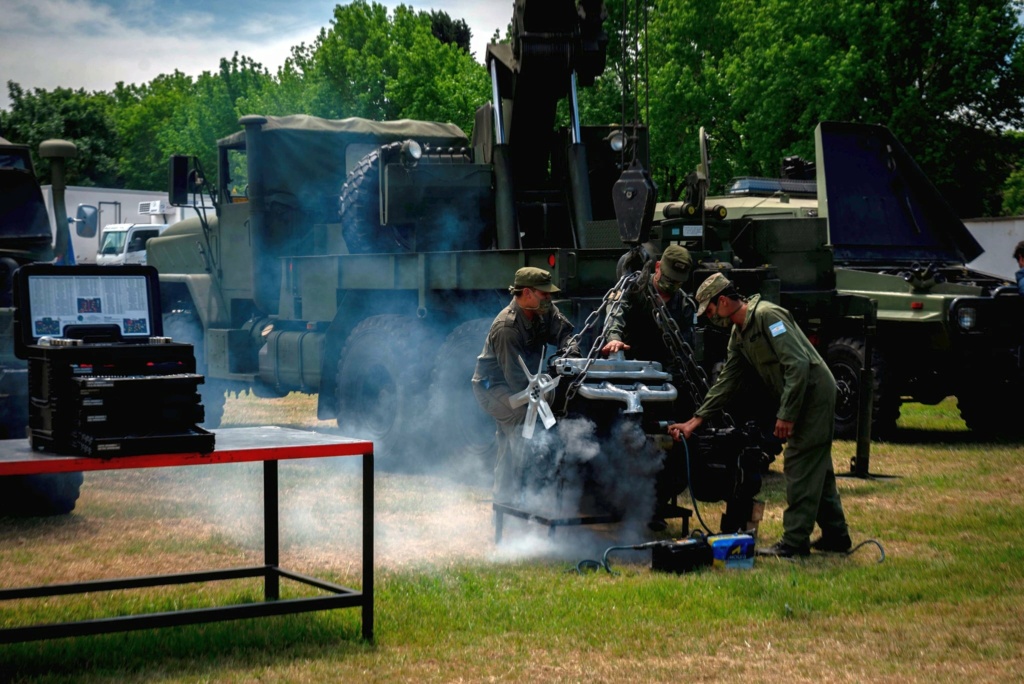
26	237
942	328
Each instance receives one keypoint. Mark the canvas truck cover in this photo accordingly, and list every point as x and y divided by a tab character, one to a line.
881	207
304	157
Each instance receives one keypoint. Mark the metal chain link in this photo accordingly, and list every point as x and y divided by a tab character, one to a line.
611	304
694	376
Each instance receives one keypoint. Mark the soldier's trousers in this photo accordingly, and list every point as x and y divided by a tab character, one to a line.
509	460
811	494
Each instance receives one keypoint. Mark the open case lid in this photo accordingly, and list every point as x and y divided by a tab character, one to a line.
114	303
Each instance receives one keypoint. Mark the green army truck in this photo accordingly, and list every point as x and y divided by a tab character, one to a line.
364	261
26	237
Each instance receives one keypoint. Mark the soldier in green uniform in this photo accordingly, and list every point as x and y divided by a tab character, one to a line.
634	331
523	328
633	328
765	338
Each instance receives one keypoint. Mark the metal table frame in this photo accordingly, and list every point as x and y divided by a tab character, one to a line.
233	445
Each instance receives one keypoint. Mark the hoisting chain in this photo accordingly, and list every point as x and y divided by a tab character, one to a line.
611	304
694	376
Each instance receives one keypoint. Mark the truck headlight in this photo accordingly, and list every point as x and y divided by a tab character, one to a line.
411	152
616	140
967	317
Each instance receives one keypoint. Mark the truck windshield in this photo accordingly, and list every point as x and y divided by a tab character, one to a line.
22	210
113	241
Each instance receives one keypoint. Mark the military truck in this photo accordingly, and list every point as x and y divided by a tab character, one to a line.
943	328
365	260
25	237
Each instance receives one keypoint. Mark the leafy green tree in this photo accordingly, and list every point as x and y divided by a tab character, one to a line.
83	118
144	113
1013	188
379	66
945	76
213	110
451	31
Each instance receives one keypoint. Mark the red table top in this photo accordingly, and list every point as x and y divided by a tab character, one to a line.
233	445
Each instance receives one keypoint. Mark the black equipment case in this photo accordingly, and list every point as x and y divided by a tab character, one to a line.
103	381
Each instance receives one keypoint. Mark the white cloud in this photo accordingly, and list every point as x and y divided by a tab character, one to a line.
93	44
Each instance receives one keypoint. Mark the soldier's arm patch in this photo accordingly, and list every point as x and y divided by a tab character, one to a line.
777	328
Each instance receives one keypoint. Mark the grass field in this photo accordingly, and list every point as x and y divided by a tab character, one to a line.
945	605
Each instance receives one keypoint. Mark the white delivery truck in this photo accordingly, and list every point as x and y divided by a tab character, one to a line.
89	209
125	243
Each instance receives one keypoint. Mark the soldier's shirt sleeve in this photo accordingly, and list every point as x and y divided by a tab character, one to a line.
728	380
560	332
615	323
794	362
507	346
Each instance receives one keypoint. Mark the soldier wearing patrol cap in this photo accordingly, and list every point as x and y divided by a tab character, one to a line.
765	338
523	328
633	330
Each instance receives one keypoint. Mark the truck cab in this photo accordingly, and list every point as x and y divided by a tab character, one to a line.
125	243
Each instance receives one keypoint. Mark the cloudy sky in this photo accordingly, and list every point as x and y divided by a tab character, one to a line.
93	44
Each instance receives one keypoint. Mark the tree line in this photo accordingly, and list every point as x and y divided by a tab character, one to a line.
946	76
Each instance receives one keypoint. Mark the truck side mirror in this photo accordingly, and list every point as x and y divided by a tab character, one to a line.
85	220
185	180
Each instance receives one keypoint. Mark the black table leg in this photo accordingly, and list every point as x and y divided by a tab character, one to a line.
271	548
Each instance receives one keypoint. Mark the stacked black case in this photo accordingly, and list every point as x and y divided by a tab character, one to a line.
96	393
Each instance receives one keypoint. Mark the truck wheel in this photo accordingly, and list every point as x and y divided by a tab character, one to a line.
47	494
987	409
24	495
381	382
182	325
469	432
845	357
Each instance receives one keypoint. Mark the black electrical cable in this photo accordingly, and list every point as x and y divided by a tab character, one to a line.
865	542
689	486
591	564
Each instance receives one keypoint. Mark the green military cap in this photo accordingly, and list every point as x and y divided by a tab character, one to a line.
535	278
676	262
709	289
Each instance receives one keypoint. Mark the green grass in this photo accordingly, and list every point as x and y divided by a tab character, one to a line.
945	605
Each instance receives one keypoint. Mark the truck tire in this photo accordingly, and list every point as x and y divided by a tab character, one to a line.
469	432
359	207
988	408
182	325
381	383
33	495
845	357
39	495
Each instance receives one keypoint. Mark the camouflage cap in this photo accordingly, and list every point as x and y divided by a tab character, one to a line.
535	278
676	262
713	286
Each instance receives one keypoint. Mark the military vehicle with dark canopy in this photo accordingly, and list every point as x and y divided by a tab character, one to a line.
366	260
943	328
26	237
